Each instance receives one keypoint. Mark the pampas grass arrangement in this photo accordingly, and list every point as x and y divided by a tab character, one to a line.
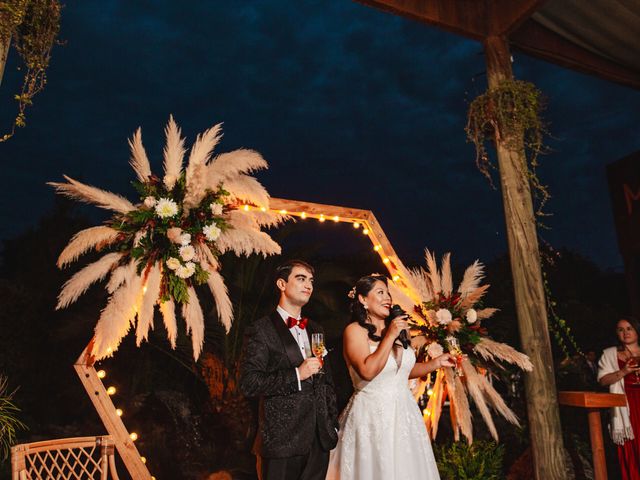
169	242
451	321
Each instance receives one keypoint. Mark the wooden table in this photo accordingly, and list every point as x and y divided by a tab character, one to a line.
593	402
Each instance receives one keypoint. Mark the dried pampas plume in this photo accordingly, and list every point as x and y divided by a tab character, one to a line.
138	277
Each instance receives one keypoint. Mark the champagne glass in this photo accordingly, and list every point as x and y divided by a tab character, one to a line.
317	347
456	351
636	361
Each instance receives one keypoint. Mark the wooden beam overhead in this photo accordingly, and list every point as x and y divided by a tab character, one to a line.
505	16
463	17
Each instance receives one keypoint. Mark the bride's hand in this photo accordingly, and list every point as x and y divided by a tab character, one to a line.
397	325
445	360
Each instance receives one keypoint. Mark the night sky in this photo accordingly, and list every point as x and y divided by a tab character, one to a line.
349	105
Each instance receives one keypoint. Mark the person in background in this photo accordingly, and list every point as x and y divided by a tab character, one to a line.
619	369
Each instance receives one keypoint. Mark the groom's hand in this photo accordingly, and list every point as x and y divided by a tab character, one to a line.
309	367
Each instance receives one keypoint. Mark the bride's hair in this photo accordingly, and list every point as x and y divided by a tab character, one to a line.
358	312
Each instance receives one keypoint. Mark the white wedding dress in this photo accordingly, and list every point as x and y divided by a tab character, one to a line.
382	434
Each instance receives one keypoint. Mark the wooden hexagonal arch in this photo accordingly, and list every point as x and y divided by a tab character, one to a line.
362	220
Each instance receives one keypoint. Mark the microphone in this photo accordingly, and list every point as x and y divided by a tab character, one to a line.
397	311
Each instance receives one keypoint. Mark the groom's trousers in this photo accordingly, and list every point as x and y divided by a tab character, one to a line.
312	466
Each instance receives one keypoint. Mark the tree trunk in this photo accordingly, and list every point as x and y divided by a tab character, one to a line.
542	401
4	53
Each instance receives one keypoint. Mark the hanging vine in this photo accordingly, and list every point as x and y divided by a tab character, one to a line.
512	112
32	26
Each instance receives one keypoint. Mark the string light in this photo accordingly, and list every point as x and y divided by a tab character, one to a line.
430	391
144	289
377	248
119	412
336	218
246	208
101	374
385	260
356	225
263	209
133	436
111	390
144	460
365	231
396	278
283	212
303	215
322	219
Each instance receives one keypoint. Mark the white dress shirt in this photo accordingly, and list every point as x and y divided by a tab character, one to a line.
299	335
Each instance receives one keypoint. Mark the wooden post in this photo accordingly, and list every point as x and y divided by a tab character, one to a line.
593	402
542	404
107	412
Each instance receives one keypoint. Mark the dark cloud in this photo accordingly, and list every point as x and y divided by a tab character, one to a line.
349	105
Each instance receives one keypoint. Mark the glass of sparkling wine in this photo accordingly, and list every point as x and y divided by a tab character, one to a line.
456	352
317	347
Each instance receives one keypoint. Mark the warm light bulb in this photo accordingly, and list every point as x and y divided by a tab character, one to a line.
303	215
102	374
430	392
365	231
356	224
385	260
336	218
263	209
283	212
133	436
377	248
144	460
111	390
396	278
427	413
246	208
109	350
119	412
144	289
322	219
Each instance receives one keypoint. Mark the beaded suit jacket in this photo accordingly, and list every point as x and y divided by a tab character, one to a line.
289	417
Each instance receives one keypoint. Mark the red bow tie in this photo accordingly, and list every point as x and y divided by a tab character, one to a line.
294	322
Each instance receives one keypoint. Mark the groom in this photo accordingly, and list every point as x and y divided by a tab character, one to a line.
298	419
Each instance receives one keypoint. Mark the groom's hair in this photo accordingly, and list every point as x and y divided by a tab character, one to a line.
283	271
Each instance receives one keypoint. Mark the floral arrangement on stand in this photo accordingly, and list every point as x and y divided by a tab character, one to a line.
451	321
164	246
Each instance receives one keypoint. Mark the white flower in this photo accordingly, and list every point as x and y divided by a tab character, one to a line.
185	239
434	350
472	315
150	202
166	208
187	270
187	252
212	232
443	316
216	208
173	263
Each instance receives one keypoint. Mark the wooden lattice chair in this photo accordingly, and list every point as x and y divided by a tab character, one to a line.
83	458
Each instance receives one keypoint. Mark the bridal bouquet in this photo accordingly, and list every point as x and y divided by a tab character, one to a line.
169	242
451	321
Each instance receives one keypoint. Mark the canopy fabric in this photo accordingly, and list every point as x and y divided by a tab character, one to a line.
607	28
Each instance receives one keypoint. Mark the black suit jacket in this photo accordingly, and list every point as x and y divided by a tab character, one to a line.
289	417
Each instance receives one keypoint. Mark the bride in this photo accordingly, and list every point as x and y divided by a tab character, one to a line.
382	433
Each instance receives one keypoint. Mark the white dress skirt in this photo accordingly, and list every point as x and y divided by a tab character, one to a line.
382	434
